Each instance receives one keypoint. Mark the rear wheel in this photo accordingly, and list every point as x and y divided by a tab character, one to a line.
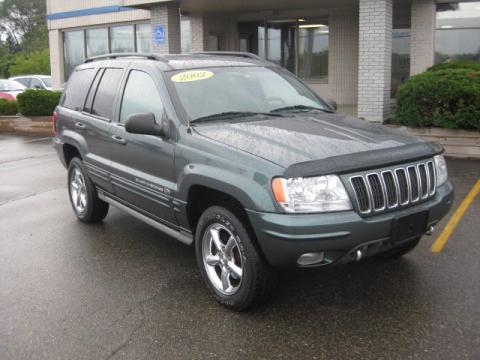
83	194
229	261
401	250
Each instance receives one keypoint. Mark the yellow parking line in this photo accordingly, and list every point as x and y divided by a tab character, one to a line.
455	219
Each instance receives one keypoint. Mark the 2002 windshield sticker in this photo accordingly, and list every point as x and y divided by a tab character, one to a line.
192	75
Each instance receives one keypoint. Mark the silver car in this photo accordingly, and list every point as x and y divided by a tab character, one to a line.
35	81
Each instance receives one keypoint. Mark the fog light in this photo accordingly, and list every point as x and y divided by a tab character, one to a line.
311	258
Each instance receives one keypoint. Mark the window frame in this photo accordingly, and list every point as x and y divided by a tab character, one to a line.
103	70
127	77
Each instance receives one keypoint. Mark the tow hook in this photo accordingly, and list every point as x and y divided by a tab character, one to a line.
429	231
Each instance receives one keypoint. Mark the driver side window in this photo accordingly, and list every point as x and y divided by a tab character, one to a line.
140	96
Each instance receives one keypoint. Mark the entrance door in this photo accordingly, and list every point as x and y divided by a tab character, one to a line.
281	43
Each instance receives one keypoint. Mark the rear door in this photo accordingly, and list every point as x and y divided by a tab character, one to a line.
94	122
143	174
82	130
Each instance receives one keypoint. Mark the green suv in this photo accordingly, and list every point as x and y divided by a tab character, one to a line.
238	157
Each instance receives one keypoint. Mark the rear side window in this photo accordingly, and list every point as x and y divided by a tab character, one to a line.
24	81
77	88
105	95
140	96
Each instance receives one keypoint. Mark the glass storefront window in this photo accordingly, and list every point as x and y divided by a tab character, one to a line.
400	58
281	44
458	31
74	50
143	33
121	39
80	44
313	49
299	46
97	41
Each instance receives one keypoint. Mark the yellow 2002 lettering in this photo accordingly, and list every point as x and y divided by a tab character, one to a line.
192	75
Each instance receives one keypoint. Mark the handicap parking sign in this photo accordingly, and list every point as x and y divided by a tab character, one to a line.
159	34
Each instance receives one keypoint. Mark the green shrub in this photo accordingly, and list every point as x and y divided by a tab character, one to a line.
37	102
447	98
8	107
456	64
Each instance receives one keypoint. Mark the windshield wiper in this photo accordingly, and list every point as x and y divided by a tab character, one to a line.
302	108
232	114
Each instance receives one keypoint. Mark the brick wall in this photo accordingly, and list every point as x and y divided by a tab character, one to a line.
422	44
375	59
168	15
198	32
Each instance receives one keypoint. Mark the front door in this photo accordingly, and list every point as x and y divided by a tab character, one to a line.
143	174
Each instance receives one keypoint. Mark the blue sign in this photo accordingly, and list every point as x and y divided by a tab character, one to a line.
159	35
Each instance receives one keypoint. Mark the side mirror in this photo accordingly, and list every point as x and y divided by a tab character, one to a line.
145	124
332	104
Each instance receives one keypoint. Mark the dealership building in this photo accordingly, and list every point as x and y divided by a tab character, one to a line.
356	52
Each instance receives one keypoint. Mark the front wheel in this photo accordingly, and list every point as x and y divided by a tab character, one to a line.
229	261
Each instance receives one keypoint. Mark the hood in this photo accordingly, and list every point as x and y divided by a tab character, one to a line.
305	137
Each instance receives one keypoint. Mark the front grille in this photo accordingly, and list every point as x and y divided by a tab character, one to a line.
378	191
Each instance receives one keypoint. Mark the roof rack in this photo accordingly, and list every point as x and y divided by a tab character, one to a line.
121	55
230	53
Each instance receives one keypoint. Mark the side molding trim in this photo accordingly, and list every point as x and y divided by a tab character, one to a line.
182	237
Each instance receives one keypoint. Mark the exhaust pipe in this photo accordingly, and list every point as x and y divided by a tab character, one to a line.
358	255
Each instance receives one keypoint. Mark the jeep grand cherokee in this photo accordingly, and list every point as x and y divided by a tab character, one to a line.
238	157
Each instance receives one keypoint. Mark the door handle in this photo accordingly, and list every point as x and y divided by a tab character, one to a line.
80	126
119	139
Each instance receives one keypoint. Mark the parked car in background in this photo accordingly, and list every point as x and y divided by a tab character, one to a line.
9	89
35	81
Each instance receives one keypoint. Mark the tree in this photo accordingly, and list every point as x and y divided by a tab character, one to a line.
37	62
24	20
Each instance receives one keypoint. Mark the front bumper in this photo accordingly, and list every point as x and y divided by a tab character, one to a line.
285	237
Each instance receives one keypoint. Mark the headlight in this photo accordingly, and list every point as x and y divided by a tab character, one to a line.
313	194
441	169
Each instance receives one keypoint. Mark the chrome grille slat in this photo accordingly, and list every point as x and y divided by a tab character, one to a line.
378	191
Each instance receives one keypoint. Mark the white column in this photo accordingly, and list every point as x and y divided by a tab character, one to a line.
55	40
375	59
422	41
167	16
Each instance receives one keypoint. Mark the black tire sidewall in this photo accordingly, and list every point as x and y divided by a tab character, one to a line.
245	293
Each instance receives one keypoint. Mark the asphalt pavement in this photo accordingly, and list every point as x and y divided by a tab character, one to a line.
123	290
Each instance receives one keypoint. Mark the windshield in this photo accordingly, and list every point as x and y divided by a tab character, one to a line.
206	92
10	85
47	81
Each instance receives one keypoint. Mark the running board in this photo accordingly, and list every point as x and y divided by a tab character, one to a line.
182	237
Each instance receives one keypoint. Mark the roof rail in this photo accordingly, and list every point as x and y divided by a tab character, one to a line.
121	55
230	53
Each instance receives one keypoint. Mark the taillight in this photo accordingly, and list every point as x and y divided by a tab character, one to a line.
54	123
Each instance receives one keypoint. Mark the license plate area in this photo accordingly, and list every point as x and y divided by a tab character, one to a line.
409	227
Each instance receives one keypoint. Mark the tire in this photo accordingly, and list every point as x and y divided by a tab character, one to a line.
221	269
401	250
83	195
